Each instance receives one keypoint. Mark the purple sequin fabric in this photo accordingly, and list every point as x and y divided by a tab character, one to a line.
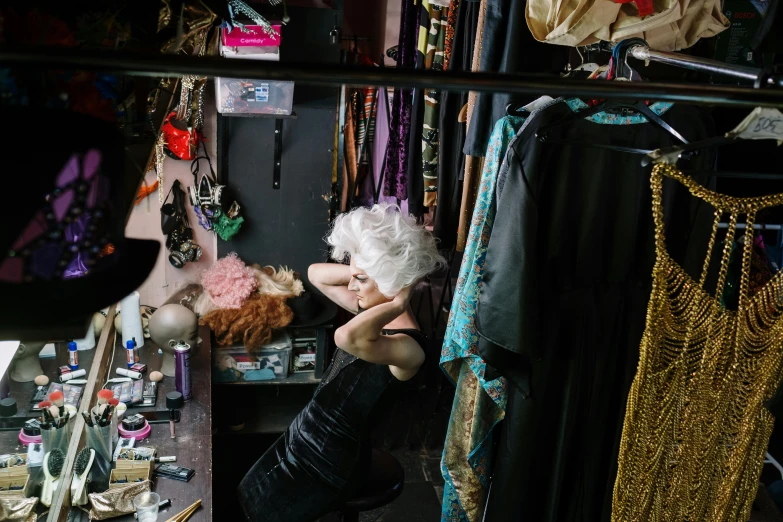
395	175
64	238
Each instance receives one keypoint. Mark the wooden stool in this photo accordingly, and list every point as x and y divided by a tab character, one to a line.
383	485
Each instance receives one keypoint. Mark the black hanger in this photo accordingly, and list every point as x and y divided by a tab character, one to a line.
516	109
619	65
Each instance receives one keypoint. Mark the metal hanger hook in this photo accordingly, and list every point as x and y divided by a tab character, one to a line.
621	53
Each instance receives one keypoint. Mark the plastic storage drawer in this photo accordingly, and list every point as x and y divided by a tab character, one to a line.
249	97
270	362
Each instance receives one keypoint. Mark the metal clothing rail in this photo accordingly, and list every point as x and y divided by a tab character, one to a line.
756	226
148	64
705	65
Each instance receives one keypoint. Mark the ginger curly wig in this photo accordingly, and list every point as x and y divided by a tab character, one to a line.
252	323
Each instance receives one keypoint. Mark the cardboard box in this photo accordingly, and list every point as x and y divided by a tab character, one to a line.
131	475
15	477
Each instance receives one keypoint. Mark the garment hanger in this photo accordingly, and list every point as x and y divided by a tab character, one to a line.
620	70
761	124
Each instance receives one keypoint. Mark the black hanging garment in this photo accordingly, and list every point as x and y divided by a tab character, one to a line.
507	46
563	304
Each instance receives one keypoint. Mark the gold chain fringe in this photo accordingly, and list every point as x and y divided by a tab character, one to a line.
696	426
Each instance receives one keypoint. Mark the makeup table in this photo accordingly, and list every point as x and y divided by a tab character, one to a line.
193	443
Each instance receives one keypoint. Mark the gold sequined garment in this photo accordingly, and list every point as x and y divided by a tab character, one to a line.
696	428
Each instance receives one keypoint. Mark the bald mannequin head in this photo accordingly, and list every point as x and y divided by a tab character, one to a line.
169	325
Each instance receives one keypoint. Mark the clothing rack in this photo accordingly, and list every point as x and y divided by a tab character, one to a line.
156	65
755	226
705	65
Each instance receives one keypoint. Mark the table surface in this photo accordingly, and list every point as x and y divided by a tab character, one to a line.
193	443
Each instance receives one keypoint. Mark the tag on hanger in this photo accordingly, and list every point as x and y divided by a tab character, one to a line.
442	3
659	156
761	124
536	104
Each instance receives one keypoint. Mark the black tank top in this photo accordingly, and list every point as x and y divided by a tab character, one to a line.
327	436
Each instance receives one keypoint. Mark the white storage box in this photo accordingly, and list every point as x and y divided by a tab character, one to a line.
248	97
270	362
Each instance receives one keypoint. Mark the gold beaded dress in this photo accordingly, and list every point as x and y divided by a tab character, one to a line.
696	427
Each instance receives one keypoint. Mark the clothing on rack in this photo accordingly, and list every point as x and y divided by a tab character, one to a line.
395	174
697	419
508	47
667	25
467	458
562	304
415	193
451	24
433	59
473	164
451	161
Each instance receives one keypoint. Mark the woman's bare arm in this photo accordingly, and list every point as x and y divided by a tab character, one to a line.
361	337
332	280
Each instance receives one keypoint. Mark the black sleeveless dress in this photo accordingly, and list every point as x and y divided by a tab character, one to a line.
319	462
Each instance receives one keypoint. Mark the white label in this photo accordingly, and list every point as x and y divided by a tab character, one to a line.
307	358
248	366
761	124
262	93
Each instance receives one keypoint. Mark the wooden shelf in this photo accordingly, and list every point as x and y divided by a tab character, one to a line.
291	116
293	378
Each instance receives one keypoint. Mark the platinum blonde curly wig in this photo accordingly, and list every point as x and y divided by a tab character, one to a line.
387	244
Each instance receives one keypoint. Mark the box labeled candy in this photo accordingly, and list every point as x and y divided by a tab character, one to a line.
252	36
270	362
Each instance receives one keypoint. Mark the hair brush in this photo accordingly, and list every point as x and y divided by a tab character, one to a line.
52	467
81	470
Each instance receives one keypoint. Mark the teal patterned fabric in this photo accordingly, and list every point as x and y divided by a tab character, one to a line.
606	118
460	346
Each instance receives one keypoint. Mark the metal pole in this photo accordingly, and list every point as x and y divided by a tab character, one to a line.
146	64
696	64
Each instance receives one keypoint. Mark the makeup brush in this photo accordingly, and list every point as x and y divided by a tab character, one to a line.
103	400
58	399
185	514
113	402
104	396
44	407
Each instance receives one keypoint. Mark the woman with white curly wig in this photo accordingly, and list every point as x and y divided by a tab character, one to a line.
323	458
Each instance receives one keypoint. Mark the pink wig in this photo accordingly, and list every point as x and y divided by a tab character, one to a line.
229	281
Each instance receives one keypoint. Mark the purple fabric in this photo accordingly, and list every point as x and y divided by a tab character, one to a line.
74	233
62	204
69	173
396	179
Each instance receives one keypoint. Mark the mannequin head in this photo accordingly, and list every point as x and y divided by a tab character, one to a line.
25	366
169	325
388	251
